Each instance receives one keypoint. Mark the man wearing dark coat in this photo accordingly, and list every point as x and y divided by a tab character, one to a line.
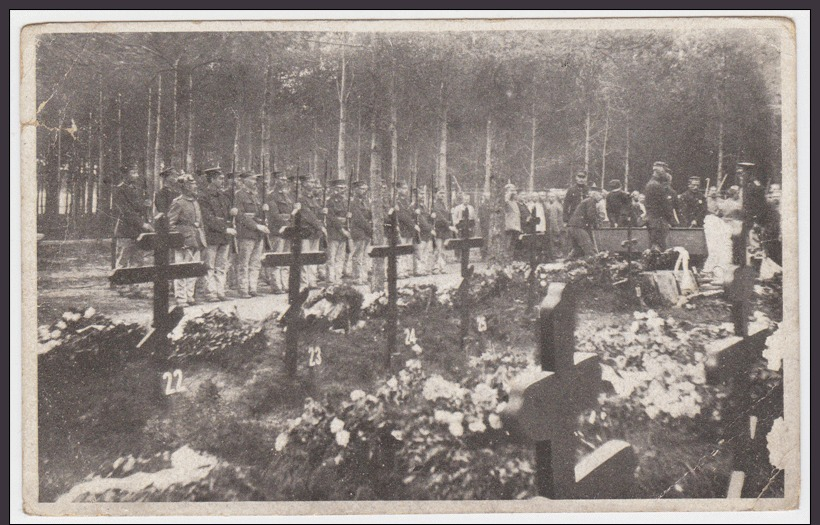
215	204
132	205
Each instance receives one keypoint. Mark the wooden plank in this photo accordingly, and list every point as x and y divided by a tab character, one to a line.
612	240
384	251
146	274
147	241
736	482
729	357
277	259
608	472
457	244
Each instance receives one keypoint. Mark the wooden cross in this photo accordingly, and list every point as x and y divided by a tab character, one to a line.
532	241
391	251
294	259
161	242
465	227
545	411
729	362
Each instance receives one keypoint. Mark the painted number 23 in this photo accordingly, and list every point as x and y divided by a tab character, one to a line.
314	356
171	386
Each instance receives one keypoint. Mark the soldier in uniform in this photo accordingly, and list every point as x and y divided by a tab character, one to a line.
280	205
618	204
555	223
660	212
251	229
584	219
671	196
692	205
422	262
337	233
185	216
443	228
311	219
575	194
407	227
133	207
512	218
638	209
169	191
361	229
219	232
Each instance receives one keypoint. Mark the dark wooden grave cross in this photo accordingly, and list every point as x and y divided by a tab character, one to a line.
161	242
545	411
730	362
464	243
295	260
533	243
391	251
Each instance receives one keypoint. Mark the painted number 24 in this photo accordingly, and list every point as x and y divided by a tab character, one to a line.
314	356
409	336
171	386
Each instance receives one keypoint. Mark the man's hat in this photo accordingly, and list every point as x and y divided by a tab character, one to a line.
614	185
593	187
247	174
401	184
694	180
277	174
211	169
360	184
338	182
581	174
660	164
185	177
510	187
745	164
170	172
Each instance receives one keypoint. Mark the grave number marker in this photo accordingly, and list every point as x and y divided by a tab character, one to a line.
170	386
410	336
314	356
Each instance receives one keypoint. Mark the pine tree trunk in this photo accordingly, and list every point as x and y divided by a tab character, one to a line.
103	193
235	152
315	168
586	143
603	153
341	151
264	139
497	251
443	180
531	184
359	145
115	174
394	137
376	208
189	136
175	161
158	164
626	157
719	181
149	163
89	179
488	157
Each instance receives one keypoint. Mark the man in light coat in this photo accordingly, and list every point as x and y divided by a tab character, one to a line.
185	217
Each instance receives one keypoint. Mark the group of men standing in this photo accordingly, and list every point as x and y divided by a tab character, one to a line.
234	219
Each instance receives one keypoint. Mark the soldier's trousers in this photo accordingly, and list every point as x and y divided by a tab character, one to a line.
422	258
277	277
359	259
248	264
129	256
184	289
335	260
216	257
439	262
310	273
580	241
658	230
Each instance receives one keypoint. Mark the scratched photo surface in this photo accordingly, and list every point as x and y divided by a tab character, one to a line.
501	265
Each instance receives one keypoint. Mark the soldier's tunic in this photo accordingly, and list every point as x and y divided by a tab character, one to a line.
422	262
215	206
555	224
618	208
573	198
579	229
442	224
407	225
251	242
361	228
692	207
164	198
311	212
185	216
131	206
280	204
336	240
659	213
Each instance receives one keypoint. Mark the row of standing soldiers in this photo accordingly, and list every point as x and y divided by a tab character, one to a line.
220	215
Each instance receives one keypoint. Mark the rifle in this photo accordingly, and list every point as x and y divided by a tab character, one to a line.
323	240
232	218
416	213
266	237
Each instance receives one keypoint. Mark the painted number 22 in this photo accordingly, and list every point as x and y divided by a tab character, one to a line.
314	356
170	386
409	336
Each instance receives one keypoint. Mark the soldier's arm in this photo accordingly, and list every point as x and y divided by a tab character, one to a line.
131	212
246	212
174	213
212	222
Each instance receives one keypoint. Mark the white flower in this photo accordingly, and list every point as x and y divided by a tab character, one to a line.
55	334
343	438
337	425
392	383
61	325
495	421
43	333
501	406
416	348
413	364
357	395
398	435
484	395
456	429
281	442
436	387
89	312
441	416
477	426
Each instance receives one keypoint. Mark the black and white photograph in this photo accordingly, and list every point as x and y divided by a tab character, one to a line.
392	266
